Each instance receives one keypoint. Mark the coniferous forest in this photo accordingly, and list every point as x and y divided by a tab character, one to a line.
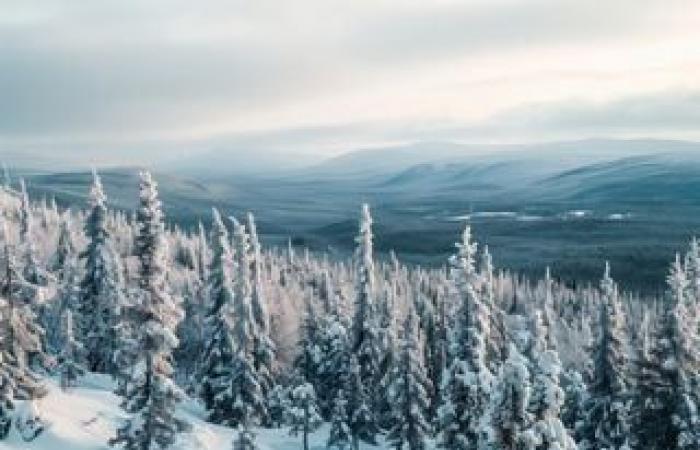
368	351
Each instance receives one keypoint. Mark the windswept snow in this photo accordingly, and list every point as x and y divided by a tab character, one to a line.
85	418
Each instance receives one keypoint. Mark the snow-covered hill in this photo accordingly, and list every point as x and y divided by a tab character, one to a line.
85	418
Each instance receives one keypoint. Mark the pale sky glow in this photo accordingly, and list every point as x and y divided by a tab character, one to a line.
149	78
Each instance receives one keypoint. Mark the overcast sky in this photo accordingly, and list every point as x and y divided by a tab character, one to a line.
134	80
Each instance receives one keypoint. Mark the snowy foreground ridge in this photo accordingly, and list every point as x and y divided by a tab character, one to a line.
85	419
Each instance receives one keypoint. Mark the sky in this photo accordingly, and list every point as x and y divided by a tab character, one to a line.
124	81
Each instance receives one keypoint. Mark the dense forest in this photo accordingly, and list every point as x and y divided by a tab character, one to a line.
467	356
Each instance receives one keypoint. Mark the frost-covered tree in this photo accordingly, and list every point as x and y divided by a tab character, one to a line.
248	405
388	349
496	350
507	423
307	362
32	272
70	359
220	347
365	341
606	421
20	333
332	343
190	332
65	265
264	352
467	382
151	395
361	422
249	386
101	289
66	248
666	374
575	398
680	361
408	394
547	397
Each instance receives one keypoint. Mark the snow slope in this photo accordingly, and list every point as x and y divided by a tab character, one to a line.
85	419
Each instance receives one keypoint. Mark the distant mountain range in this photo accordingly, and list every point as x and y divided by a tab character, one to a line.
571	205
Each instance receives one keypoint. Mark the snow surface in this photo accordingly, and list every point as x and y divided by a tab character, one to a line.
86	417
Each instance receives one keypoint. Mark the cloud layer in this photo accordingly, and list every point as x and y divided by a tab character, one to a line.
145	78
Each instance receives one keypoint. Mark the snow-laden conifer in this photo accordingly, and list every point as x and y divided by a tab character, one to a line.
365	339
408	393
101	289
507	422
467	383
220	345
250	383
547	396
151	395
606	421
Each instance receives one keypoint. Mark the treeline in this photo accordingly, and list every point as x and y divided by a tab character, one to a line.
463	357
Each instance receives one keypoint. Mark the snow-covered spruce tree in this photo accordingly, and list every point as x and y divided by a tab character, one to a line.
362	422
249	386
467	382
101	289
575	398
65	266
388	348
21	334
365	341
307	362
249	405
220	348
606	423
31	270
70	367
151	395
496	350
683	362
340	435
408	393
264	352
190	333
333	346
65	249
547	397
506	424
666	373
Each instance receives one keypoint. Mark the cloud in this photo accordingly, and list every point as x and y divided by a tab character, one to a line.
141	78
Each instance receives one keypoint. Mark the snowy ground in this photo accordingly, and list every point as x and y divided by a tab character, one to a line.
85	419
